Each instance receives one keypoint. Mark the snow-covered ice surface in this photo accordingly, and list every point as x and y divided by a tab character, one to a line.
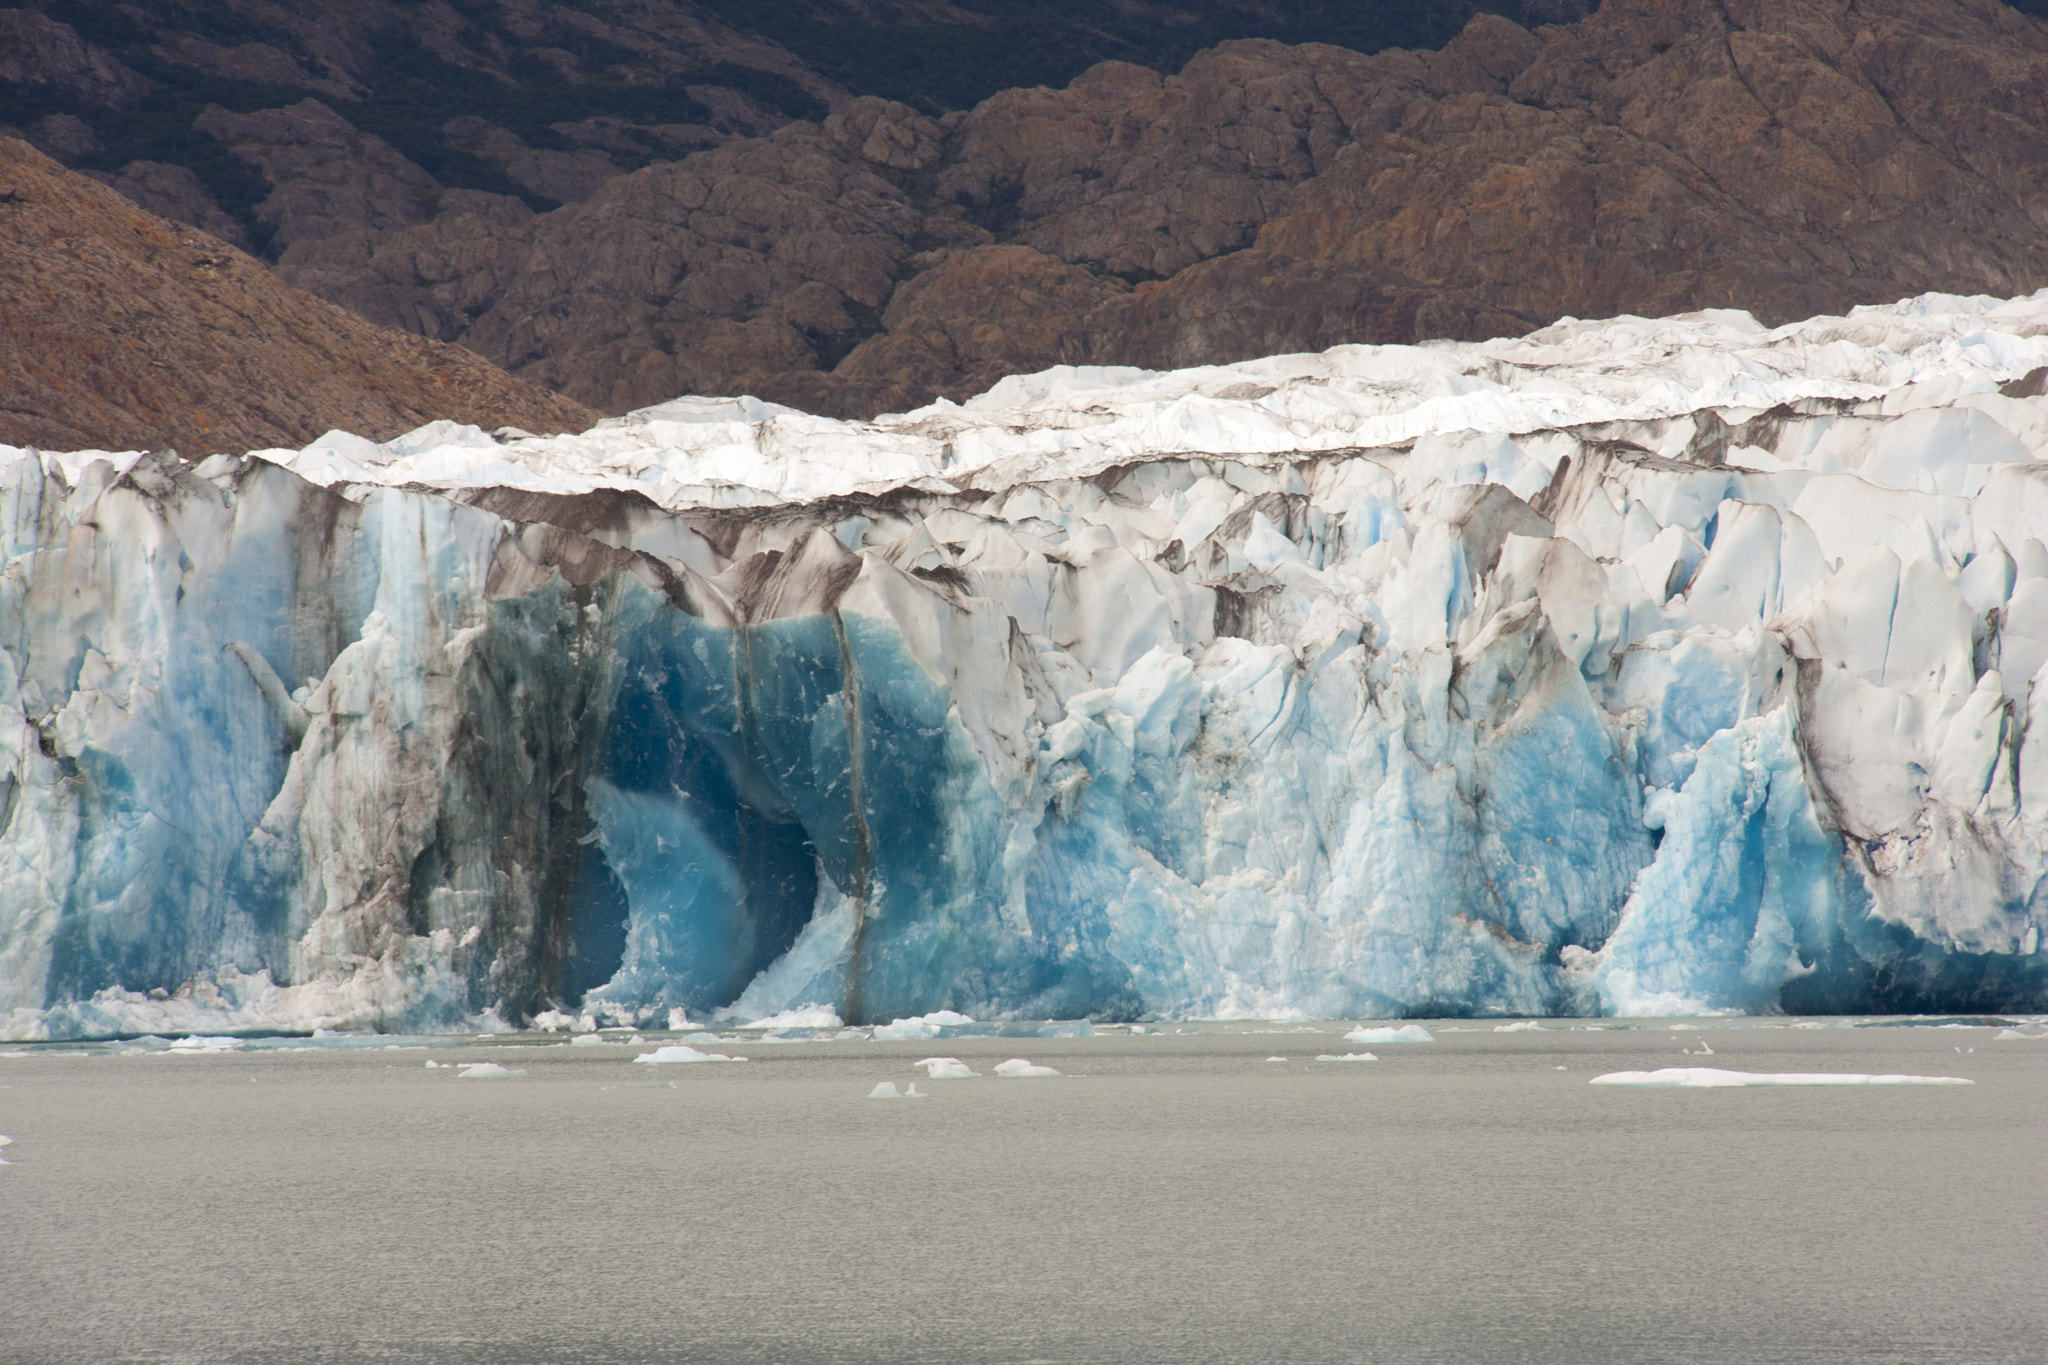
1709	1078
1631	667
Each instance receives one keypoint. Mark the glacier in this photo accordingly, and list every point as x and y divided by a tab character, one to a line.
1633	667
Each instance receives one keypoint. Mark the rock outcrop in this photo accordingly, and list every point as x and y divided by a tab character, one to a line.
1655	158
122	330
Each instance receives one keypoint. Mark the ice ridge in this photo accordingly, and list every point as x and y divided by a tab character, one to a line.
1633	667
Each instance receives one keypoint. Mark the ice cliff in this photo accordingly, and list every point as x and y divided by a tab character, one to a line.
1628	667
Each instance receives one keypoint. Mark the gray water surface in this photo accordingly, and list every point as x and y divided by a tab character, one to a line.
1172	1198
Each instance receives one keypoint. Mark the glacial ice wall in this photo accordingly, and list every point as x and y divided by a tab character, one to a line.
1635	667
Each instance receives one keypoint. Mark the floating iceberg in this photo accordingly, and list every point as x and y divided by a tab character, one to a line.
1706	1077
1346	1057
1406	1033
946	1069
886	1090
683	1052
484	1071
923	1026
1633	667
1019	1069
200	1043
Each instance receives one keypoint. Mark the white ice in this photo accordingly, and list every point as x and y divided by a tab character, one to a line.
1347	1057
484	1071
1405	1033
946	1069
203	1043
1017	1069
683	1052
922	1025
1710	1078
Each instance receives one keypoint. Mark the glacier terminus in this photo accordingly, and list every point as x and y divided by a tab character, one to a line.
1634	667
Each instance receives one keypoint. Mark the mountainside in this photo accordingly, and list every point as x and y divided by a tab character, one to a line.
571	193
120	329
1630	667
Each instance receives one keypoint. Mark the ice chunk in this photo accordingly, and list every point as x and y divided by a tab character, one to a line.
922	1026
585	1040
946	1069
1519	1026
201	1043
1710	1078
683	1052
1404	1033
886	1090
5	1141
1018	1068
484	1071
2014	1034
1346	1057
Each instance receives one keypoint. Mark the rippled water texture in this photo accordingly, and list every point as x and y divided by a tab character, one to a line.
1175	1198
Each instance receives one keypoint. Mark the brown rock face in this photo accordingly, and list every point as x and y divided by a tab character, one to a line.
122	330
1782	156
1789	158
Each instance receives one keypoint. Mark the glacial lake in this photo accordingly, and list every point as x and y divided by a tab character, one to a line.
1172	1197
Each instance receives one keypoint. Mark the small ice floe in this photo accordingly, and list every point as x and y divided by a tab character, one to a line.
5	1142
1703	1050
586	1040
433	1065
1520	1026
201	1043
946	1069
2012	1034
683	1052
923	1025
1347	1057
886	1090
1018	1069
1707	1077
1276	1059
1406	1033
485	1071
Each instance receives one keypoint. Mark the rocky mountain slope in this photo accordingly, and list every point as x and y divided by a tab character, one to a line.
568	191
120	329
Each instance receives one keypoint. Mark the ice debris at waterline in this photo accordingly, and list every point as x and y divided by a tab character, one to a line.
1707	1078
1629	667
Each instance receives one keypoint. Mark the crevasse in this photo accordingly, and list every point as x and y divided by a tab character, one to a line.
1634	667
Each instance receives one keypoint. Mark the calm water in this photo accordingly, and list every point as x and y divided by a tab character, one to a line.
1169	1199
